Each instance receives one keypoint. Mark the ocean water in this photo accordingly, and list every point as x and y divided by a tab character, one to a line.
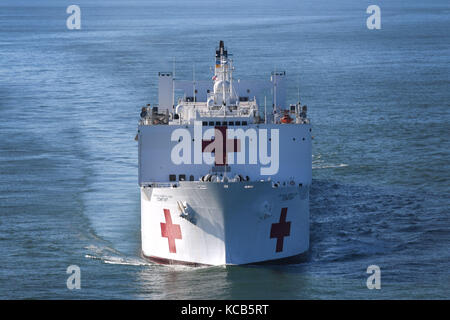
379	103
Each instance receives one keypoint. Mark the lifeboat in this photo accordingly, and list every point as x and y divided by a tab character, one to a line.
286	119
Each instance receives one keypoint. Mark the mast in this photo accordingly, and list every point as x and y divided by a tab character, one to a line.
222	60
193	82
173	86
222	76
275	89
265	110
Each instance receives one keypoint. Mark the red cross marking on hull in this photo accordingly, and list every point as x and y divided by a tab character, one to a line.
170	231
221	145
281	229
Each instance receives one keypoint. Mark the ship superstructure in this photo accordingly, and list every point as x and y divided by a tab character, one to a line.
223	179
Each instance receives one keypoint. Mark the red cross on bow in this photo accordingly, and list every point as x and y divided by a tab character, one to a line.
170	231
281	229
221	146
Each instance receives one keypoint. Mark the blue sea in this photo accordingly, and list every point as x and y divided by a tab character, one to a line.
379	102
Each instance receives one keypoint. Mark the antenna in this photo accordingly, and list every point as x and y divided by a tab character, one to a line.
275	88
174	60
298	89
265	110
173	85
230	65
193	82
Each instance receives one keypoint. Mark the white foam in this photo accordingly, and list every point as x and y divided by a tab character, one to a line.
327	166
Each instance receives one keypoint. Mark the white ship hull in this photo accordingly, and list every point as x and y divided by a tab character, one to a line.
224	223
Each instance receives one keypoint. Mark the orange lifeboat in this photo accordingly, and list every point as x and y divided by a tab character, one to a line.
286	119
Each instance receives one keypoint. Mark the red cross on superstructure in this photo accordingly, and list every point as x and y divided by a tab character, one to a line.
170	231
281	229
221	145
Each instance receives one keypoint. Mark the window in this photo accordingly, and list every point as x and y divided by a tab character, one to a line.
238	123
231	123
172	177
224	123
204	123
217	123
211	123
244	123
182	177
191	178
